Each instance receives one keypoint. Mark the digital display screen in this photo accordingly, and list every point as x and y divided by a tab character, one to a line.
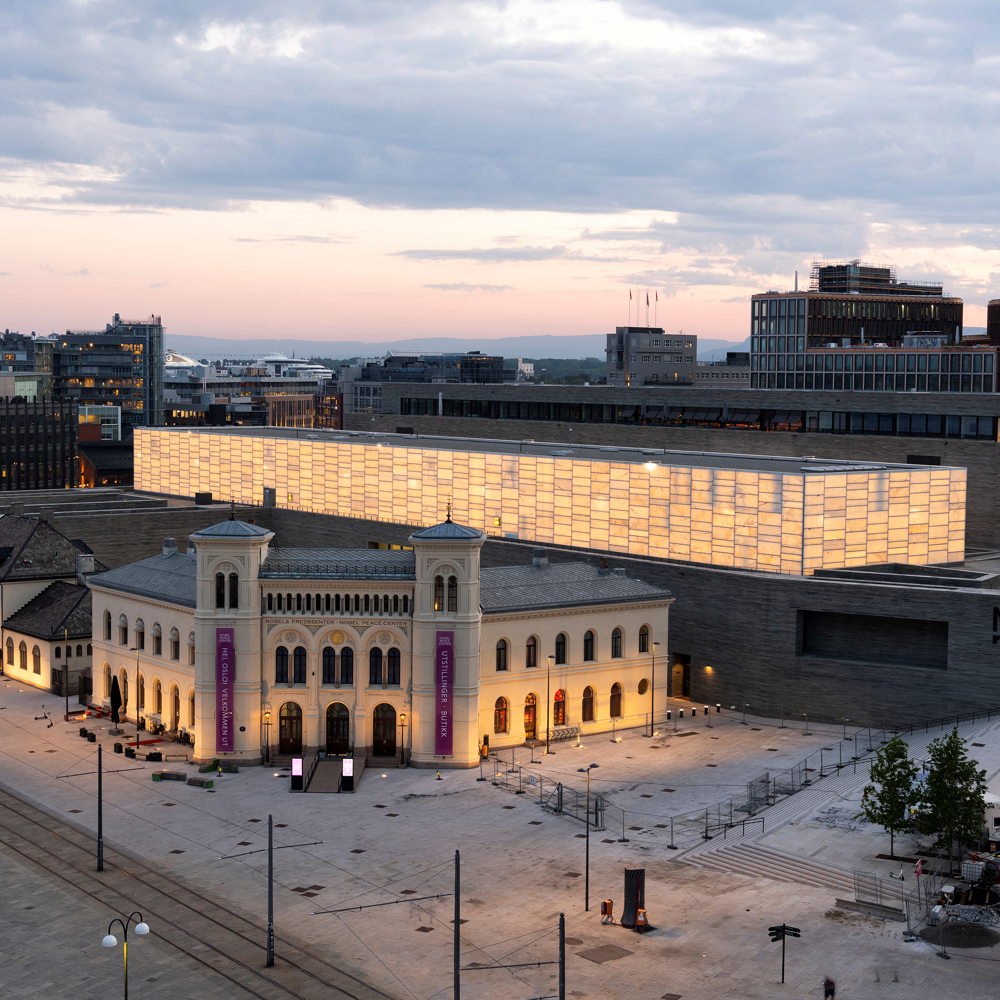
296	767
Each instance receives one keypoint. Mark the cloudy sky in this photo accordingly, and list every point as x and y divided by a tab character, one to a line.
379	169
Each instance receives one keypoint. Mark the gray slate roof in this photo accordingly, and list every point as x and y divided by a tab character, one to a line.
563	585
231	529
446	530
163	578
59	608
31	549
333	564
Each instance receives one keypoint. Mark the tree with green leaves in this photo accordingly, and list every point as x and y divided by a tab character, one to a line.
886	799
952	795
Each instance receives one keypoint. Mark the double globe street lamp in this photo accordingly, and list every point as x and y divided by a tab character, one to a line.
110	941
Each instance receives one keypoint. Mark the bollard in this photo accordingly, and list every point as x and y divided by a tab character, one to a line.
672	846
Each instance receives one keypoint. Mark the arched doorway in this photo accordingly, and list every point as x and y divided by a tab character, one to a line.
529	717
384	732
338	728
290	728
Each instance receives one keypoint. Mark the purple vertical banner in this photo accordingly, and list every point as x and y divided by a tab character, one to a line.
225	678
444	684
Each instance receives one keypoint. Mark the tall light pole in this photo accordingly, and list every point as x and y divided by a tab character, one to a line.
402	739
548	701
586	891
135	649
110	941
652	690
267	737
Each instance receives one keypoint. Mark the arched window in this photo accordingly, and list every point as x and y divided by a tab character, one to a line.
280	602
191	649
234	590
376	604
175	644
385	604
587	711
529	717
90	649
79	650
588	645
140	634
69	652
329	665
36	660
453	593
502	654
616	642
157	634
142	692
406	604
288	602
122	630
158	698
500	716
357	604
107	626
309	602
59	652
439	593
644	639
392	666
375	666
347	666
22	655
10	651
270	602
395	604
281	665
559	708
123	684
299	665
531	652
220	590
616	701
298	602
561	647
368	604
107	679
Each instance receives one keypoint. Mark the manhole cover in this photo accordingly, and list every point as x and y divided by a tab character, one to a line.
604	953
958	935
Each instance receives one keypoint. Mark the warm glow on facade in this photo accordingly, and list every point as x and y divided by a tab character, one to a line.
794	519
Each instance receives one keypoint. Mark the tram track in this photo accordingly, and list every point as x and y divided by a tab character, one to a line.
203	929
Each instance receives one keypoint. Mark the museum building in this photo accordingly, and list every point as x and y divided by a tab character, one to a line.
417	653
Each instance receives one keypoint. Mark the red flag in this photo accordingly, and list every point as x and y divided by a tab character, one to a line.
657	294
919	868
630	295
647	300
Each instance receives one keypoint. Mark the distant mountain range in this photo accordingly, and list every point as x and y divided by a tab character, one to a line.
584	346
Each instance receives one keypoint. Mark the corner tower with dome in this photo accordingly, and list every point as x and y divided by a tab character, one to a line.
249	651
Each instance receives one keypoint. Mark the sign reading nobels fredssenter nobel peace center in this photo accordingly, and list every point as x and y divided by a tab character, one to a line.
788	515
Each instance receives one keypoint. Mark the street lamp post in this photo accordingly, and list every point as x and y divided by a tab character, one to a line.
135	649
110	941
402	739
652	691
66	672
548	701
267	737
586	891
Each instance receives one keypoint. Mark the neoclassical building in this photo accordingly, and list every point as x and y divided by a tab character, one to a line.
418	653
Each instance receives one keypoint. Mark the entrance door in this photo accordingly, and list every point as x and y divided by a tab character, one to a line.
680	676
338	728
384	732
290	728
529	717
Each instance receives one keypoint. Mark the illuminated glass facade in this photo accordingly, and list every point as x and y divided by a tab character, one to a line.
779	515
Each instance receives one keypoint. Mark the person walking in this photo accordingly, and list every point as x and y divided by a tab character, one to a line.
829	989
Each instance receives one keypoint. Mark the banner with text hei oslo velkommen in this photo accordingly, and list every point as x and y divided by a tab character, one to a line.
225	678
444	684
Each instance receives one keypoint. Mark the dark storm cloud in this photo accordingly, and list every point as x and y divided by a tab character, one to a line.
774	128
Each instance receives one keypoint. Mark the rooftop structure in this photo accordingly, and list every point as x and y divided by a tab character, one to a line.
750	511
646	355
855	277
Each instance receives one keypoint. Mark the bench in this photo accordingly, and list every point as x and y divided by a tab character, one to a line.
564	733
208	768
200	782
169	776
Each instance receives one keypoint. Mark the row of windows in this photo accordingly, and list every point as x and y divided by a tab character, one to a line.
22	656
339	604
559	713
773	359
140	637
156	703
851	308
872	383
439	604
380	665
559	654
69	651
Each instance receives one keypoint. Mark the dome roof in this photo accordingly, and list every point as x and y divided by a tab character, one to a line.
447	530
231	529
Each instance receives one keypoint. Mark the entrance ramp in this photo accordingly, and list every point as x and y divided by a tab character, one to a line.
326	778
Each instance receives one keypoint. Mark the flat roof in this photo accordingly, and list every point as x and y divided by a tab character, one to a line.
780	465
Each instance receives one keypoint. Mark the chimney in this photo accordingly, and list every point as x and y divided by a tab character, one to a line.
540	557
84	567
192	551
603	571
618	571
169	546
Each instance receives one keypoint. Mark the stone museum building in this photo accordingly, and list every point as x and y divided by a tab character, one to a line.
415	653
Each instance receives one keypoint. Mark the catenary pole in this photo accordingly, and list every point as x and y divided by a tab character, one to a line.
270	890
562	956
100	813
458	924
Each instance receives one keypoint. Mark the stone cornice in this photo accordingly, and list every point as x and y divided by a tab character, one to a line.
503	616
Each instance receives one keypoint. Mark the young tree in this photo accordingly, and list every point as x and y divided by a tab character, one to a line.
952	795
891	791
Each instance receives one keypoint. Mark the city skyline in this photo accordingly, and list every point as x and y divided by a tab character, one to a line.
351	173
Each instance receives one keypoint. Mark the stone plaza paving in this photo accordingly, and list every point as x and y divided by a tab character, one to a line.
522	865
